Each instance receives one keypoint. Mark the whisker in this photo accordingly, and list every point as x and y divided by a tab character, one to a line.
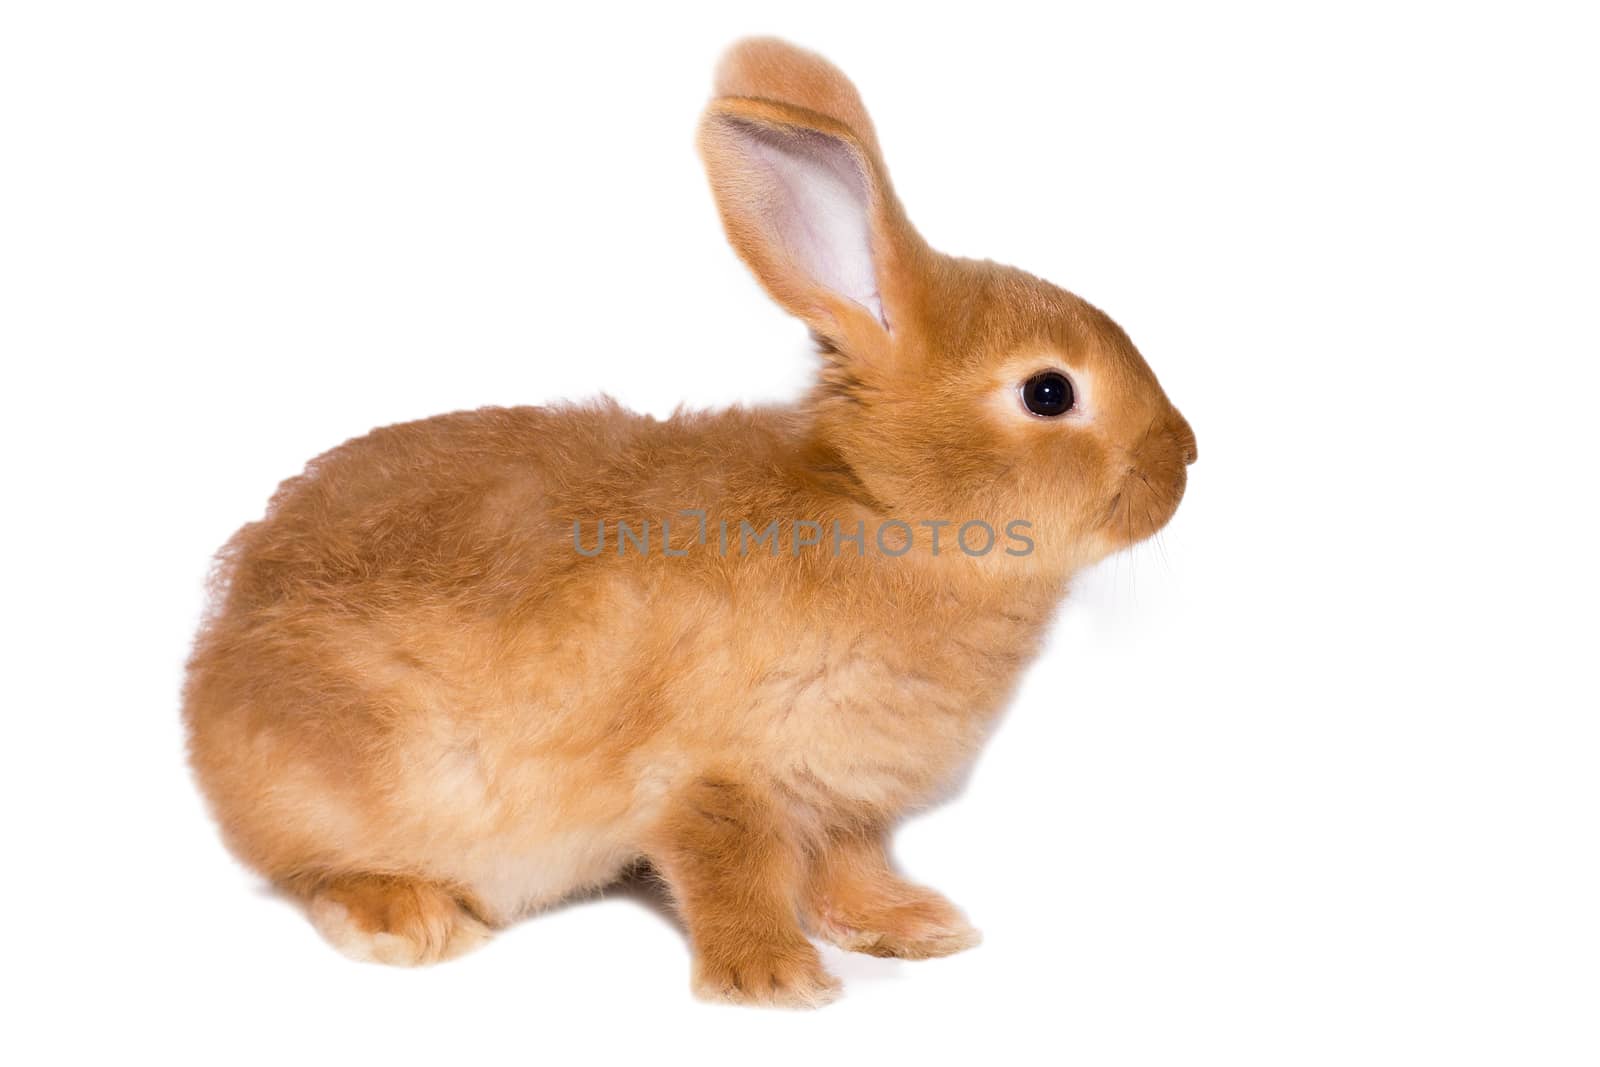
1161	550
1133	560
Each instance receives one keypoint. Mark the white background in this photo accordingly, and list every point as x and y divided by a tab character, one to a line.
1310	781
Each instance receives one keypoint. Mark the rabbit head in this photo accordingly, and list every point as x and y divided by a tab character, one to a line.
952	388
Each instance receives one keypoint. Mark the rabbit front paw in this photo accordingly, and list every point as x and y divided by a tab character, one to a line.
789	975
857	901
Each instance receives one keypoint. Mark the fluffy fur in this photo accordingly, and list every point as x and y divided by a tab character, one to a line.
418	709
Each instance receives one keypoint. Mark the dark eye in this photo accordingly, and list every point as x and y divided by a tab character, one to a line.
1048	394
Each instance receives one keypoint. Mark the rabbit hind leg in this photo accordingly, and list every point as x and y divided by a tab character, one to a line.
394	919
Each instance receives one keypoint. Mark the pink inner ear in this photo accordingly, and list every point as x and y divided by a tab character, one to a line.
812	197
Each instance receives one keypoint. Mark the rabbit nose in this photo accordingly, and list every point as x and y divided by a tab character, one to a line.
1187	448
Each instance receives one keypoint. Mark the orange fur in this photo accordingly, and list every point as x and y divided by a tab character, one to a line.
417	707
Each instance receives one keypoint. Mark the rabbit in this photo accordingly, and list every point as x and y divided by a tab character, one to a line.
468	666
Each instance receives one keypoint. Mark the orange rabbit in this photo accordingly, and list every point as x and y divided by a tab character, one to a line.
467	666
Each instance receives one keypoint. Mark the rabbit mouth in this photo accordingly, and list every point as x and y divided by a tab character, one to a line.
1144	503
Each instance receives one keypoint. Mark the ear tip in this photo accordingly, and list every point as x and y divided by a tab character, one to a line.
772	69
747	65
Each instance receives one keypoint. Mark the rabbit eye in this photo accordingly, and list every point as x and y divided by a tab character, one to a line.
1048	394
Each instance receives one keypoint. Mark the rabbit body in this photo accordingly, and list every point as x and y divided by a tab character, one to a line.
414	670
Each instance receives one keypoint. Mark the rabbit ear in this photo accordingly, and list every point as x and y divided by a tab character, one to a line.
804	196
